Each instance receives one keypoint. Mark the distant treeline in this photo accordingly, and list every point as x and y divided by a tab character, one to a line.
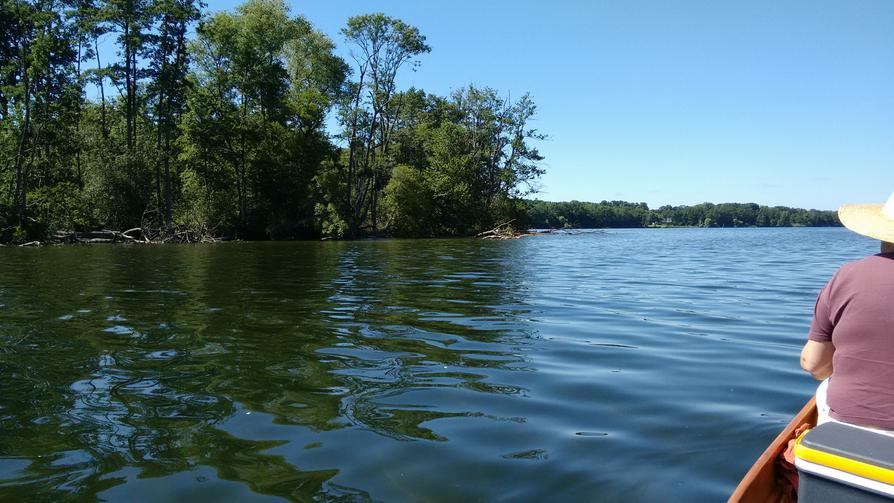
577	214
245	123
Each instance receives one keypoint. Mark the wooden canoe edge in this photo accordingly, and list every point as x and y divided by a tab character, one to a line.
759	484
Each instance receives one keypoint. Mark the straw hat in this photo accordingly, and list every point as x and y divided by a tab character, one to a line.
873	220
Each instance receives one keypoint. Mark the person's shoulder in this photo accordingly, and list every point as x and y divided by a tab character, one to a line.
872	262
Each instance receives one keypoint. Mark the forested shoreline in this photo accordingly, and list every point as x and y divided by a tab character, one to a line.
249	125
244	124
622	214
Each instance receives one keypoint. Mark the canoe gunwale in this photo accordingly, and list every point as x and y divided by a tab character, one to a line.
759	485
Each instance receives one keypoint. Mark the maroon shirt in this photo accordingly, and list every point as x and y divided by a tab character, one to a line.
855	310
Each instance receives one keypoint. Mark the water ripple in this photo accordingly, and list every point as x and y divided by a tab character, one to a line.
613	365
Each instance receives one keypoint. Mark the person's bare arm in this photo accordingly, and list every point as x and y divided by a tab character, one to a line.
816	358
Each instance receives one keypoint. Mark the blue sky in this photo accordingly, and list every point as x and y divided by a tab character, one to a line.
773	102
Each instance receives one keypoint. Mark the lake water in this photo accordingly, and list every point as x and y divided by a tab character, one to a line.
634	365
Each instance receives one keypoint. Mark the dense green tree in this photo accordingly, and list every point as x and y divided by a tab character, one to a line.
381	46
473	152
262	85
39	95
408	203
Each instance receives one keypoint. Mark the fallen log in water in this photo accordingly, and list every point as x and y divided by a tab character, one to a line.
99	236
504	231
137	235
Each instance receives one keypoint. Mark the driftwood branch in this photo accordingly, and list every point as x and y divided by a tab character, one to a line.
505	231
502	231
138	235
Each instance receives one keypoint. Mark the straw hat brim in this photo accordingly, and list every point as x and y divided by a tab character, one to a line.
868	220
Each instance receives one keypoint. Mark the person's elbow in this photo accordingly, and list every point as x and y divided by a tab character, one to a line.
809	365
817	370
816	359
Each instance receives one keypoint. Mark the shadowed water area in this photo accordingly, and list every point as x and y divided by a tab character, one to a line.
636	365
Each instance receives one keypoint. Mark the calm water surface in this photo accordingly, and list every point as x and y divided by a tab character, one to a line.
634	365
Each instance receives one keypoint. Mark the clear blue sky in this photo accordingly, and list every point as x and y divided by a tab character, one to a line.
773	102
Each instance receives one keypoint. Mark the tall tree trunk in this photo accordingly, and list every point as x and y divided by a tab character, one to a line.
134	107
168	197
368	163
20	194
102	89
243	190
128	107
352	157
374	203
78	120
158	156
179	67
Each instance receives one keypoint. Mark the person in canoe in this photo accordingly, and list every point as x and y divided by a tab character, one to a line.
850	344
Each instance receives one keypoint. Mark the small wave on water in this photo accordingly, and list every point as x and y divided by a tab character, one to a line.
120	330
